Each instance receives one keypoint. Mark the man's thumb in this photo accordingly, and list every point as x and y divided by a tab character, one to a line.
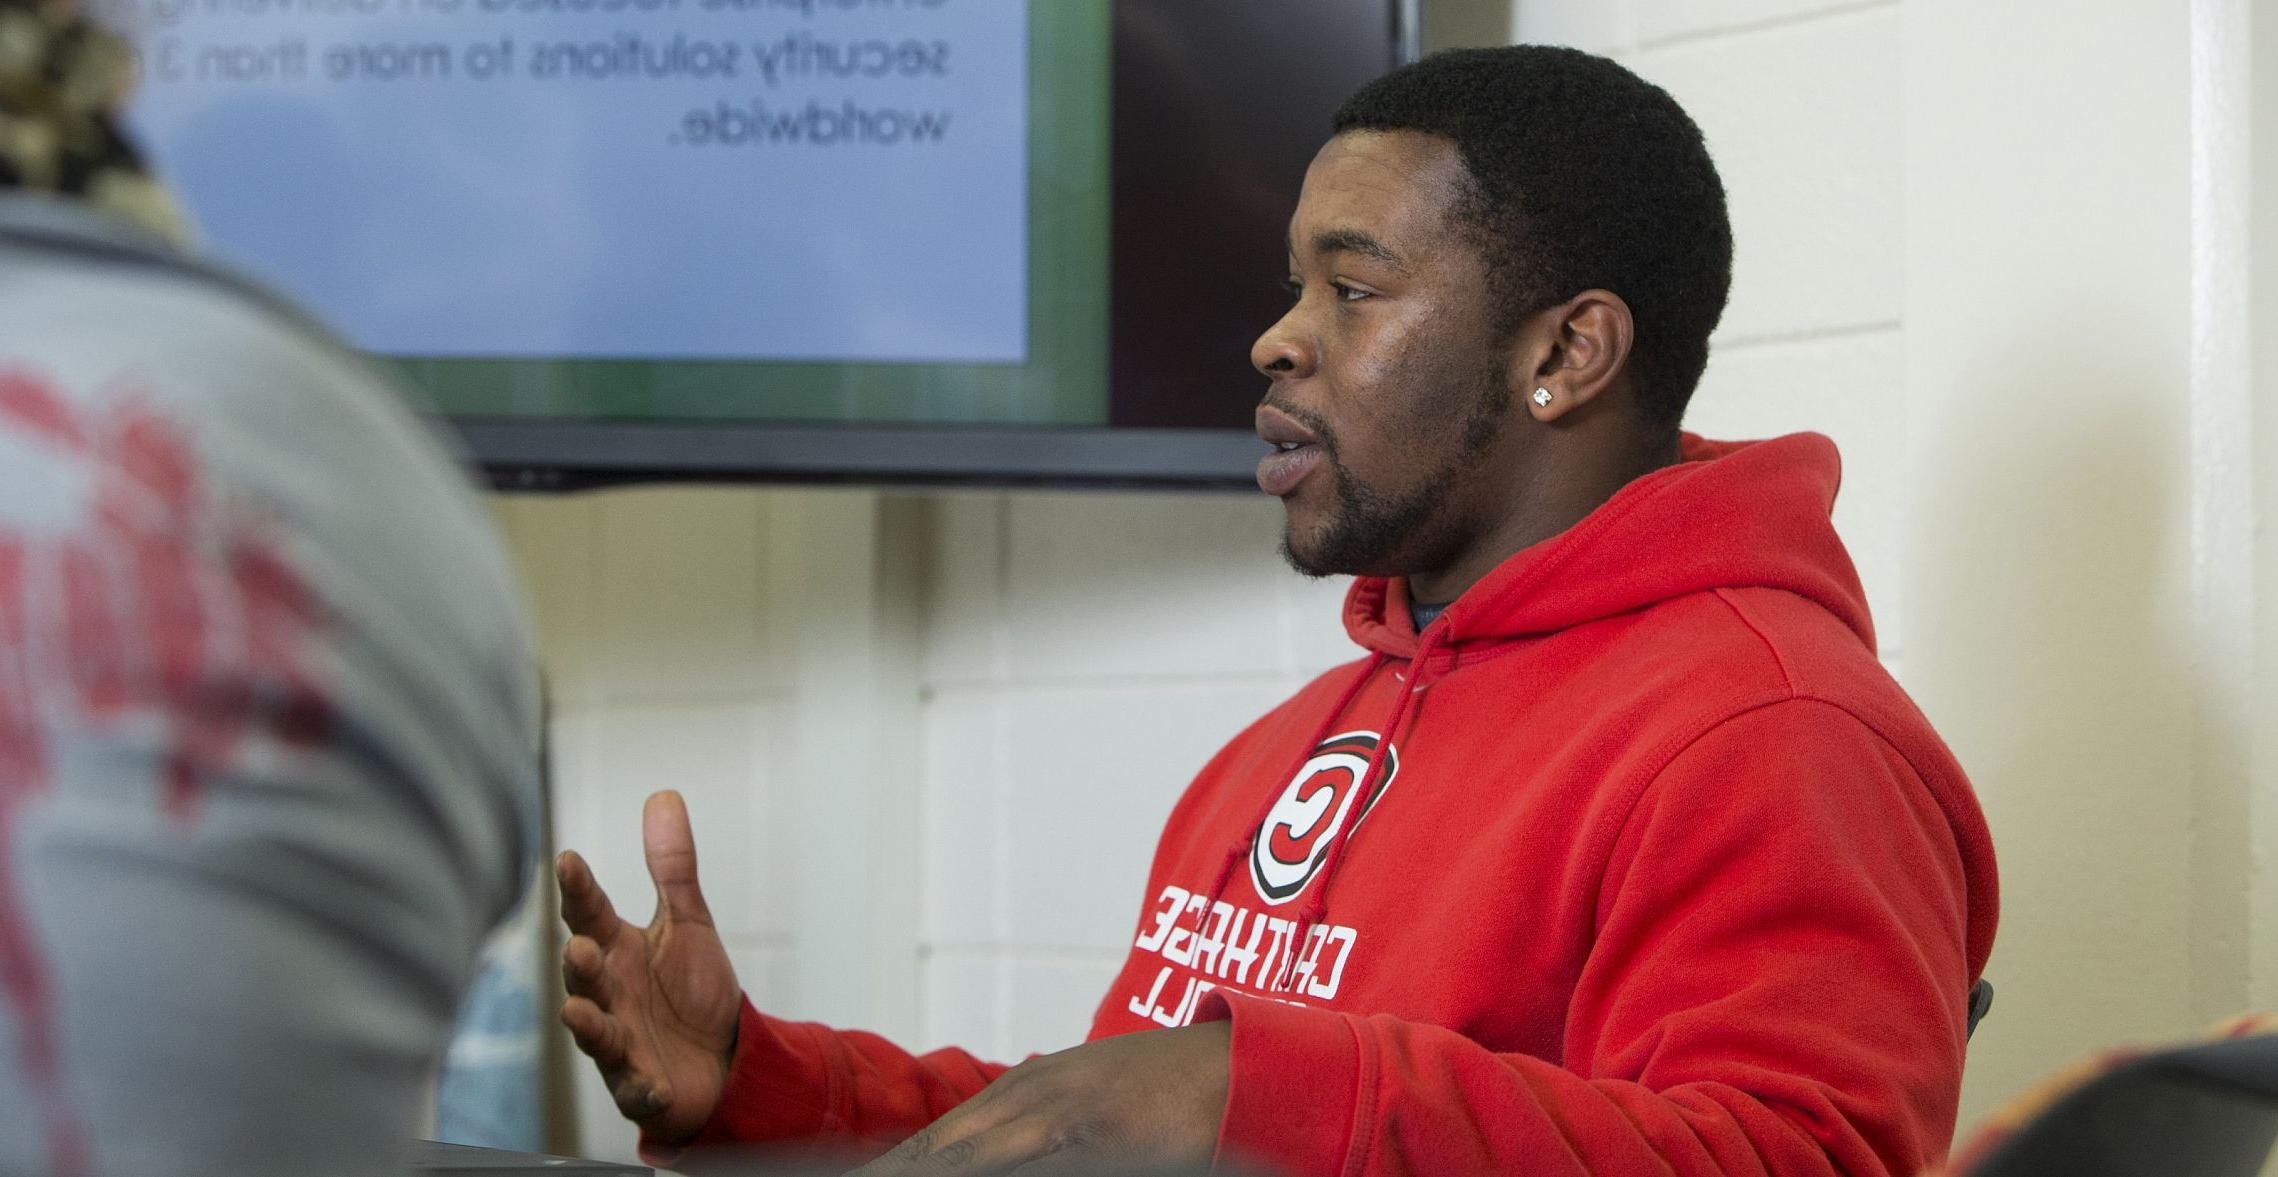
670	847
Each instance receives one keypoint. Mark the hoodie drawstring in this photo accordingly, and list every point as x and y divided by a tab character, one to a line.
1248	841
1317	907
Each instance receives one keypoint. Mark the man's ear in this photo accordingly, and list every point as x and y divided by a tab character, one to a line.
1574	352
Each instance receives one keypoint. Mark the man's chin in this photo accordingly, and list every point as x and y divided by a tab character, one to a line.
1319	556
1344	546
1302	533
1299	561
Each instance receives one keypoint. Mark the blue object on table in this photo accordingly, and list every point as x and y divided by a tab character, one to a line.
493	1072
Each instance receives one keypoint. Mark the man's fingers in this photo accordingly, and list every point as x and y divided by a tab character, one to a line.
600	1036
638	1094
932	1153
583	974
585	906
638	1097
670	847
1082	1160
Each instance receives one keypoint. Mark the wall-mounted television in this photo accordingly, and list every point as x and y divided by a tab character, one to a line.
889	241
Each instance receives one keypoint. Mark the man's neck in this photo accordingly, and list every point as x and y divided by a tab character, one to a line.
1545	506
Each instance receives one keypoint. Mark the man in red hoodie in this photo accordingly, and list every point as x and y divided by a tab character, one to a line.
1659	873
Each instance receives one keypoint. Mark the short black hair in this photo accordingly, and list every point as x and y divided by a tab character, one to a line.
1584	176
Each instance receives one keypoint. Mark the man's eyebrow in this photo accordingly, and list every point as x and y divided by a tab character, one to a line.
1354	241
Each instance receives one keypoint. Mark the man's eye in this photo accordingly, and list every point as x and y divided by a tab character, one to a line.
1350	293
1295	288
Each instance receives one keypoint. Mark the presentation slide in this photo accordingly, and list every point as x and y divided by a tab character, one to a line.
818	181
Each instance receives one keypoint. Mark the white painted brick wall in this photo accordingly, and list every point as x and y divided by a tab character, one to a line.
1178	578
1656	22
1849	387
1803	121
967	1000
1082	655
1086	653
657	642
1800	101
679	609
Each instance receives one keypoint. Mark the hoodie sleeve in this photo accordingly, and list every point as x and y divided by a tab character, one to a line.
846	1093
1777	986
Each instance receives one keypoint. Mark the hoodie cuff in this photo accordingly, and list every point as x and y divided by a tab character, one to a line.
1297	1082
774	1080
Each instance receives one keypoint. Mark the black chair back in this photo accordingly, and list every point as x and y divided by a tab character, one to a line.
2197	1111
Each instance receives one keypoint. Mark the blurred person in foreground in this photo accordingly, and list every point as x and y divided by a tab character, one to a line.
1660	872
267	719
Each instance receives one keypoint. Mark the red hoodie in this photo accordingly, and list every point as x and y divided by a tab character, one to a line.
1660	873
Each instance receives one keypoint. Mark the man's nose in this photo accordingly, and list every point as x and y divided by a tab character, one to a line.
1283	351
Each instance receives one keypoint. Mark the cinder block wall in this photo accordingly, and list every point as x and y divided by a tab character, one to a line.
1079	656
1085	654
1801	103
665	665
1944	210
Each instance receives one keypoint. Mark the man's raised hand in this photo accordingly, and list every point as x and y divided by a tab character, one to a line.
655	1007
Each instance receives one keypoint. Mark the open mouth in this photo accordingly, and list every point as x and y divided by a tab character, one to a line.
1280	471
1297	449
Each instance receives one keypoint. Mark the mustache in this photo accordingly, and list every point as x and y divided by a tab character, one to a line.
1311	420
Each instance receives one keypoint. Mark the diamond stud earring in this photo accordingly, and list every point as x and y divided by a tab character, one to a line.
1541	398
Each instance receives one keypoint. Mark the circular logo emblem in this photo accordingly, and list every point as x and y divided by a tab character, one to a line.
1296	834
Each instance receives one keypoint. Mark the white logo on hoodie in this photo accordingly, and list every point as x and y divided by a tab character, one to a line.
1298	831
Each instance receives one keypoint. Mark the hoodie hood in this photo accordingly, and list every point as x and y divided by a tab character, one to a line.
1729	515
